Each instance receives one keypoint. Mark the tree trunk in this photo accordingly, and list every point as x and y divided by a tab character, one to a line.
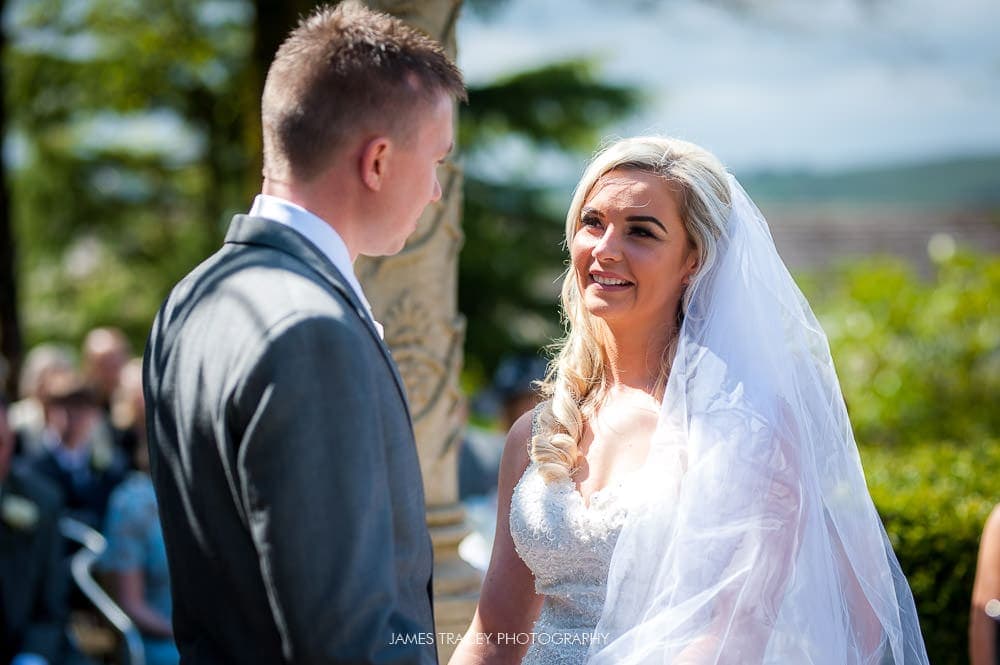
10	321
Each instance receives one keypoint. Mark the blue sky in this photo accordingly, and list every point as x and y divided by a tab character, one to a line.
822	84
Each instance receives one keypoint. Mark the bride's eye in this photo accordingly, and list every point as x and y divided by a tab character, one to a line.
642	232
590	220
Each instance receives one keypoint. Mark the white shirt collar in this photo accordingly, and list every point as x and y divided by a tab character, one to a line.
319	233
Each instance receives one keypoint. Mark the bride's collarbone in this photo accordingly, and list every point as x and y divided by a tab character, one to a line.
613	447
608	466
609	449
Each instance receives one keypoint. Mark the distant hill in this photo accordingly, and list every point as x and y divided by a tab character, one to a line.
965	182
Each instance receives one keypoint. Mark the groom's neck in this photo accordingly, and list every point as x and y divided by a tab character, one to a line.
327	197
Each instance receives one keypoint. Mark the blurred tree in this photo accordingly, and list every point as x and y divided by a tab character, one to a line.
10	324
127	125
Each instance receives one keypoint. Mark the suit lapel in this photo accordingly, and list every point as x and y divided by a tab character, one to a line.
248	230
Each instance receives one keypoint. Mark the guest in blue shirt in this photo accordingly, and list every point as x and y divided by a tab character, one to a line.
136	558
85	471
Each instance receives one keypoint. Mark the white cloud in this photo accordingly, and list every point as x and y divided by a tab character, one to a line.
821	84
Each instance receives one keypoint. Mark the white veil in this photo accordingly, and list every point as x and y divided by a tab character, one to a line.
755	539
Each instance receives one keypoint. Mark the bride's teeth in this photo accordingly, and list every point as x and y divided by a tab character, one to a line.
607	281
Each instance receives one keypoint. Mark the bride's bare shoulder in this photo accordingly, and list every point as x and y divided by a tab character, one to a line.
515	453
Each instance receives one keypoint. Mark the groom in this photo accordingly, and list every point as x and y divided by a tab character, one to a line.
281	447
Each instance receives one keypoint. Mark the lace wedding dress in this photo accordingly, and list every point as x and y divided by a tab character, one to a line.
567	545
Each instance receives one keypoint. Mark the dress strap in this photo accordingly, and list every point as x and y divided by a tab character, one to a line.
536	415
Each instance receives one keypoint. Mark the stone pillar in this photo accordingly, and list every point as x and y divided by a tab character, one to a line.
415	296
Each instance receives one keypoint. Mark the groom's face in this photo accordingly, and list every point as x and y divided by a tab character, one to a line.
412	176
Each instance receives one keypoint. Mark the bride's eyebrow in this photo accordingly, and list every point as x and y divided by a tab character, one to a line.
645	218
591	211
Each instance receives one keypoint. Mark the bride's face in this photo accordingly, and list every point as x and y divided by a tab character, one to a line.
630	252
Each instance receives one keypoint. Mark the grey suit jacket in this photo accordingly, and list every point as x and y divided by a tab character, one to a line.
284	464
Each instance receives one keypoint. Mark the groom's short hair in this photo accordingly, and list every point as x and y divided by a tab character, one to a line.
341	71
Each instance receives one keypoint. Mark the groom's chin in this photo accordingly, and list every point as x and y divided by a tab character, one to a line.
397	246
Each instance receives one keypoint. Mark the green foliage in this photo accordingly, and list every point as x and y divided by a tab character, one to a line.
917	360
919	364
934	499
561	105
129	119
508	270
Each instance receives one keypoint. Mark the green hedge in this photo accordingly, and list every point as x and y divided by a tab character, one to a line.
918	360
919	364
934	499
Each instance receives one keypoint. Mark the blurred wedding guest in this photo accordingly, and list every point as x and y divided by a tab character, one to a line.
514	389
983	632
136	558
516	383
27	416
128	412
86	474
33	583
105	353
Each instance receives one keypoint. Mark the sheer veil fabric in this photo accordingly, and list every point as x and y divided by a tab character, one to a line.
755	539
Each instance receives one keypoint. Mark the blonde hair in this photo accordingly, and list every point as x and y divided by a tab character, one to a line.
577	380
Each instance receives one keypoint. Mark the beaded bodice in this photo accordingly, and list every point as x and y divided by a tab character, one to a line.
567	545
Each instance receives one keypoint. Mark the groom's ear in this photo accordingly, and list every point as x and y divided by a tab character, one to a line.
374	162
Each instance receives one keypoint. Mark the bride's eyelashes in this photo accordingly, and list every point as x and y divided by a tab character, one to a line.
641	231
637	229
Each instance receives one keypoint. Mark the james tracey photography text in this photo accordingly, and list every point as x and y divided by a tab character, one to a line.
500	638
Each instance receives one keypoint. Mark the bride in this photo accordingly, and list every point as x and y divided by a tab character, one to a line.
690	492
